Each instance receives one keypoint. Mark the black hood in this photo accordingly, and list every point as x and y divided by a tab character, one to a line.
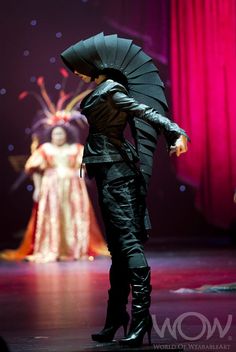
74	59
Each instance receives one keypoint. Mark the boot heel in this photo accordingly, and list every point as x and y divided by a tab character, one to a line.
135	339
109	331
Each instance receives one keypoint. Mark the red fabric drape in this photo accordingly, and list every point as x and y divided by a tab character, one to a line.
203	65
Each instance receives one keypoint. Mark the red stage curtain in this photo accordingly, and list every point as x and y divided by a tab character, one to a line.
203	68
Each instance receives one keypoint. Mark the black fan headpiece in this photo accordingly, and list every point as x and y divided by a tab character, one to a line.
125	62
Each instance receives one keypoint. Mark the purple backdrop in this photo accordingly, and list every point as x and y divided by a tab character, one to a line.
32	36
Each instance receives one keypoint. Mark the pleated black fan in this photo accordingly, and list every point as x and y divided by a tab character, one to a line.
126	63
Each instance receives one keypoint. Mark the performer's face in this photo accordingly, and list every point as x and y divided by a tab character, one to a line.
58	136
84	78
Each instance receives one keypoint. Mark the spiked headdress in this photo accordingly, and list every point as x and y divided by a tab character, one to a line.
64	112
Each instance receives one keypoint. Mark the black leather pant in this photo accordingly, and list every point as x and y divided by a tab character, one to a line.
123	206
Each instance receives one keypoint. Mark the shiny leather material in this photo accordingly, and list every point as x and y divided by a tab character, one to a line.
141	319
108	110
112	324
117	315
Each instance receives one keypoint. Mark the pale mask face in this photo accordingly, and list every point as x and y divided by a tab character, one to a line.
58	136
84	78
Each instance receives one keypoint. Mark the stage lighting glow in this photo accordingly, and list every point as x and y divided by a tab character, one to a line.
10	147
182	188
3	91
58	86
27	130
58	35
52	60
26	53
32	79
29	188
33	23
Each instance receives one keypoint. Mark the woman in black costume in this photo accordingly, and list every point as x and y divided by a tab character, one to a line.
112	160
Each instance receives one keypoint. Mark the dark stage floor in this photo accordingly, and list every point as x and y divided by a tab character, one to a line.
56	306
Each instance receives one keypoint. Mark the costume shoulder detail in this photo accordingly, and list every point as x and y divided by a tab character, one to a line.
111	86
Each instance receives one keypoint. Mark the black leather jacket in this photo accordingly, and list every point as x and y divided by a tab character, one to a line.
108	109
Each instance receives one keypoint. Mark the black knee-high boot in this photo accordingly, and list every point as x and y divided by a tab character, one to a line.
117	315
141	319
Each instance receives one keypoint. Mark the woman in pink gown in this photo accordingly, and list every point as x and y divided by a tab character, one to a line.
63	219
